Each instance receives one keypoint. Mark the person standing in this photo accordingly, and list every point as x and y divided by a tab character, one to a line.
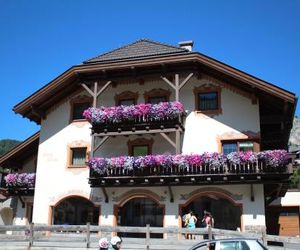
191	223
207	221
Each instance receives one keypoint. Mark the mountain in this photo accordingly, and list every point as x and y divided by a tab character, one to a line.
6	145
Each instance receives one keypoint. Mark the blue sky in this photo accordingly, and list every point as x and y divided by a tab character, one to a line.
42	39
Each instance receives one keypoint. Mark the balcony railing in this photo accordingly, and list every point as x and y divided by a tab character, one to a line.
18	183
271	166
135	117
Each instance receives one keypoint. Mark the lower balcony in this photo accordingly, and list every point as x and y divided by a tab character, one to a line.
270	167
18	184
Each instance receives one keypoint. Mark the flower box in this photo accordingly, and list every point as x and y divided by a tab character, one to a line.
134	117
194	164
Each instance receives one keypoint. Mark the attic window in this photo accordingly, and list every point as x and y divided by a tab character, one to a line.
126	98
77	108
156	96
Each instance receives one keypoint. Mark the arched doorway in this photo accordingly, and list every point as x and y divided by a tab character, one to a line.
226	214
139	212
75	211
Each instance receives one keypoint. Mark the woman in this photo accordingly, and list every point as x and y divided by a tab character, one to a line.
191	223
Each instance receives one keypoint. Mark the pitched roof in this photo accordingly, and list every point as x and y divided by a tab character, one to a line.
138	49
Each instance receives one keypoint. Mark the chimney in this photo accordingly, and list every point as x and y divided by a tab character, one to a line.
186	45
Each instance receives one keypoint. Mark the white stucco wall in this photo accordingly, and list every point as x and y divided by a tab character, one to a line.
56	181
291	198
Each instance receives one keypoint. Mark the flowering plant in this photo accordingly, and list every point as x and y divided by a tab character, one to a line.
119	114
213	160
273	157
20	180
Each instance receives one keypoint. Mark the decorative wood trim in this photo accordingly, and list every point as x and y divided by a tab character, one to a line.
126	95
140	142
77	144
157	93
206	89
76	100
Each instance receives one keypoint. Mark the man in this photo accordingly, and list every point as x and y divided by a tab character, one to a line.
115	242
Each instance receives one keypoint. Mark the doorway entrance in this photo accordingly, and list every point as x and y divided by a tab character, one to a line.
226	214
139	212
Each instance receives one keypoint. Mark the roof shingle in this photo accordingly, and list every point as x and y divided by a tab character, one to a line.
138	49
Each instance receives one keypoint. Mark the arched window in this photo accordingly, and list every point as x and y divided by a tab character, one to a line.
75	211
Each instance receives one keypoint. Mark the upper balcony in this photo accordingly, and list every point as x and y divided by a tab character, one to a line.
18	183
133	119
208	168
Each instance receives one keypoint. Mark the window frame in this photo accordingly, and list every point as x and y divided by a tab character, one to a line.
78	100
205	90
255	142
157	93
70	155
126	95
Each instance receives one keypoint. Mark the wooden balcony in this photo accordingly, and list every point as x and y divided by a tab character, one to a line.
137	126
194	175
15	190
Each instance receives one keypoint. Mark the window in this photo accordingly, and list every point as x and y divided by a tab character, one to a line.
236	245
78	109
238	146
78	105
140	150
208	99
78	157
126	102
140	147
126	98
229	148
155	96
157	99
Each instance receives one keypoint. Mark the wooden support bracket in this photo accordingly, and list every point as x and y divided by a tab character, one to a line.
171	194
105	194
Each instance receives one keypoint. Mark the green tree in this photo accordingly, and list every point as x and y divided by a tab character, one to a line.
7	144
295	178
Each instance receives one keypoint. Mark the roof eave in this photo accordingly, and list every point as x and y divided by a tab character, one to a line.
24	107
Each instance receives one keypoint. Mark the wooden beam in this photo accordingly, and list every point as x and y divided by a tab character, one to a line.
171	194
103	88
105	194
87	89
100	143
136	132
37	111
168	139
185	80
168	82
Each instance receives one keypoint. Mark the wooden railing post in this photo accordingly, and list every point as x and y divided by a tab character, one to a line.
31	234
264	237
147	236
88	235
209	232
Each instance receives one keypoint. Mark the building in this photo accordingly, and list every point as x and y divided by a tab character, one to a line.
227	111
